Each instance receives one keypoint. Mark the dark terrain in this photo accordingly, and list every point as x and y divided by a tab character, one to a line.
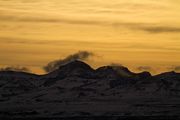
77	91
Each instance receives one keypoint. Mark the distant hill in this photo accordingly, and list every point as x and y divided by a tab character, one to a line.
76	89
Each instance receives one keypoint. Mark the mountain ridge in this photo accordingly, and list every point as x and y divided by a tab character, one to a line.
76	64
77	89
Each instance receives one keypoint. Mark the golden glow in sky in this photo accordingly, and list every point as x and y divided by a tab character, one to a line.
129	32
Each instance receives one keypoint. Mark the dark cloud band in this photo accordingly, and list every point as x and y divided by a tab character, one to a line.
146	27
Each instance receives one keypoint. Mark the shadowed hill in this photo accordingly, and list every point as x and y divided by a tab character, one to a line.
75	89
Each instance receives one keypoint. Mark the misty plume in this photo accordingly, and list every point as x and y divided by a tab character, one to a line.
144	68
15	68
53	65
175	68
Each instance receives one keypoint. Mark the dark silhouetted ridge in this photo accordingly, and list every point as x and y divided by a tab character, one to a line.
76	89
72	69
172	75
75	65
107	72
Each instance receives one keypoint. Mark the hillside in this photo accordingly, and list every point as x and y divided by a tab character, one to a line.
76	89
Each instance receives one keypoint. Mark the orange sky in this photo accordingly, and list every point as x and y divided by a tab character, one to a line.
133	33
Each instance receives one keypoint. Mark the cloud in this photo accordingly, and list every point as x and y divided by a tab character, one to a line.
18	40
160	29
175	68
115	65
144	68
47	20
147	27
53	65
15	40
15	68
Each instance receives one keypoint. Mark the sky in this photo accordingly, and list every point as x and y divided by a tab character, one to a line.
139	34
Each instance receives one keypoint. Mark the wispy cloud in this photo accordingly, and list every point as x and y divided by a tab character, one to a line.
81	55
102	45
160	29
17	40
15	68
93	8
37	19
174	68
177	68
144	68
146	27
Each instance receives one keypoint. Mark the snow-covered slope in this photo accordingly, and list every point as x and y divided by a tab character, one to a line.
75	89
